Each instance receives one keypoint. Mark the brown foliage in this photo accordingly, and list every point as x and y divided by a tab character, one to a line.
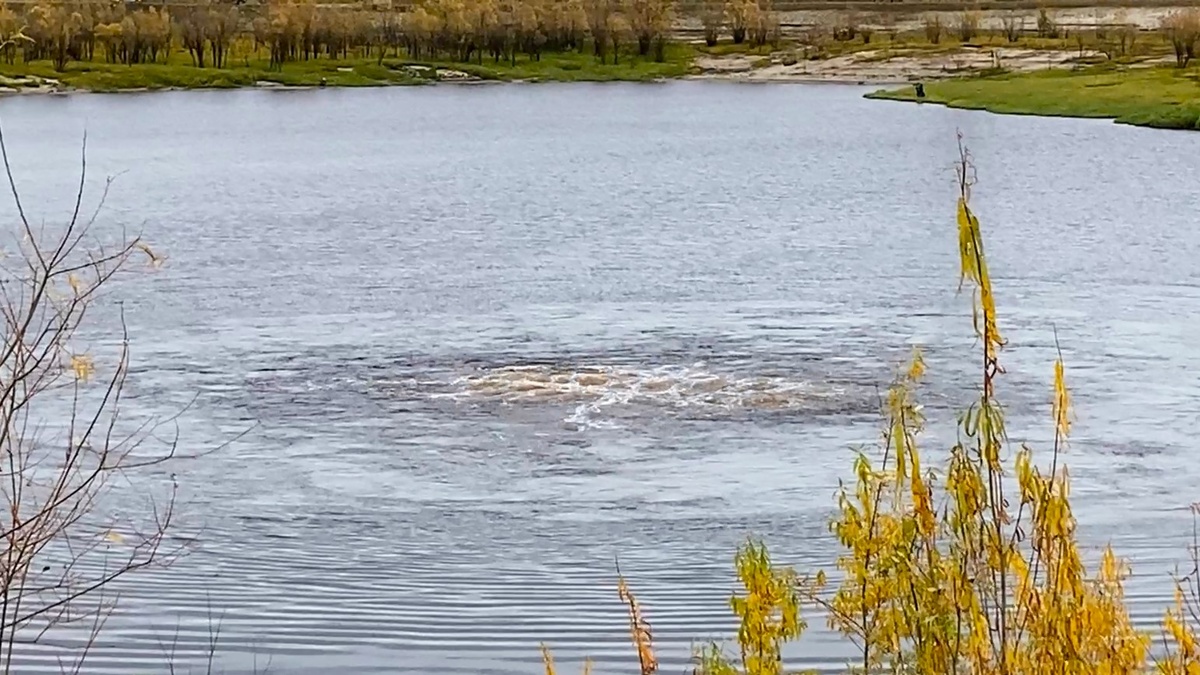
741	15
650	21
1182	29
1013	25
933	28
967	25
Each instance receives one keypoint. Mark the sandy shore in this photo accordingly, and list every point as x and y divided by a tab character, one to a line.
794	23
880	67
896	66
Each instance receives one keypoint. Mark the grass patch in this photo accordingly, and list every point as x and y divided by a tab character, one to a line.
108	77
728	48
1161	97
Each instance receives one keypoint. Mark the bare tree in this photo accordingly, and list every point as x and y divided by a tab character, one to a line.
712	17
968	25
1013	25
1125	36
1182	29
64	444
933	28
1047	25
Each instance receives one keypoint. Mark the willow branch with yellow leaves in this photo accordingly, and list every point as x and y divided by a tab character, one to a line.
967	586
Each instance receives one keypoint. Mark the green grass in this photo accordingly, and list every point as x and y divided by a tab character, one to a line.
179	73
728	48
1161	97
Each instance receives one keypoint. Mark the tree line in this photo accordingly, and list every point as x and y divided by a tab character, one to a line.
62	31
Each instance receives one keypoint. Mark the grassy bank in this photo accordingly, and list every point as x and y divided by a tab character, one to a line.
1161	97
179	73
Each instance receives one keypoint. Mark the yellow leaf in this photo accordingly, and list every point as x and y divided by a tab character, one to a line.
1062	401
156	260
83	366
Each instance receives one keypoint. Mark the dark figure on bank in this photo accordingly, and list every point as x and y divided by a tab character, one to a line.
920	87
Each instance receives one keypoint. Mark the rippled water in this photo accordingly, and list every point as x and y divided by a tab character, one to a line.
487	339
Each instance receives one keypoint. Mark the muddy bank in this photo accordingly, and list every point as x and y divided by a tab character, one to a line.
795	23
891	66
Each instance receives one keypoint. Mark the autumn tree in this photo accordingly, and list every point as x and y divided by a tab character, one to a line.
649	20
222	26
529	23
599	19
619	32
421	28
712	19
192	25
764	27
12	34
739	14
386	33
566	23
54	31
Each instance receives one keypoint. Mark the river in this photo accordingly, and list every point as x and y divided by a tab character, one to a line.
482	341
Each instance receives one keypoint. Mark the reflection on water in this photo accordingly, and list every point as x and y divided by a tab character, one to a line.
488	339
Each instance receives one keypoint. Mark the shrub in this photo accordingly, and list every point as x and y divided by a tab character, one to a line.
979	584
933	28
1047	27
1182	29
1013	25
968	25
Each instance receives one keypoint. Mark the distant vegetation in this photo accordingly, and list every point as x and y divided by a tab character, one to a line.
86	37
1111	86
211	43
965	564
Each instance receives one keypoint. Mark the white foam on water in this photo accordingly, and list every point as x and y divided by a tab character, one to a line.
595	388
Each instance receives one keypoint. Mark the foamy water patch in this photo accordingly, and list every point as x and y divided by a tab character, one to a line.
605	390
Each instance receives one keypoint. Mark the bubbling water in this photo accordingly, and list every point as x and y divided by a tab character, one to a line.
596	388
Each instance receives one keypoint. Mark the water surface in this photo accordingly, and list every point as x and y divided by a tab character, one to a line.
487	339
